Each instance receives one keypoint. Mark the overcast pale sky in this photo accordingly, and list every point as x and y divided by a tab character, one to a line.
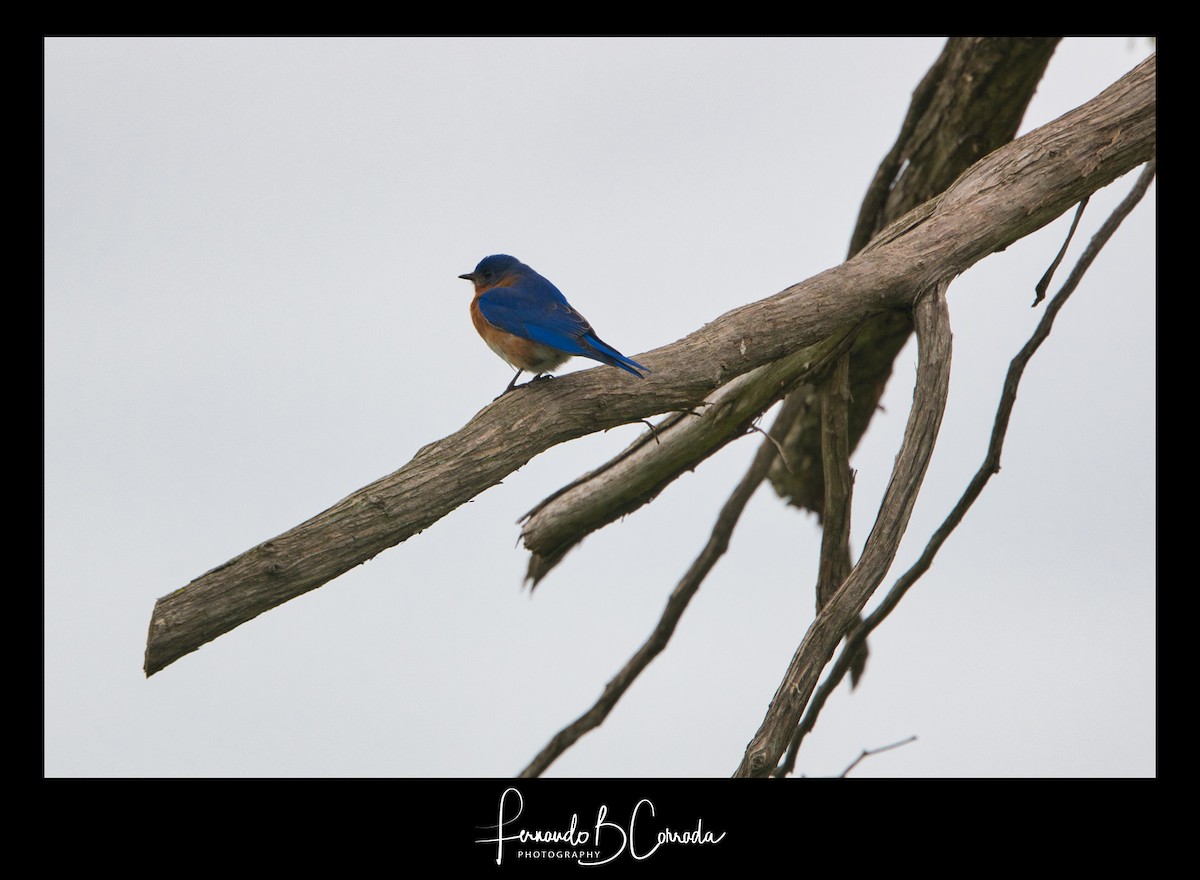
252	310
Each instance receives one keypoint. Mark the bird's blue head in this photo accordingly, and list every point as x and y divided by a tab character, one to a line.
494	269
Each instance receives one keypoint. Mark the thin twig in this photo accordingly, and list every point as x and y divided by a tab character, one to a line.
1044	284
755	429
990	465
653	430
866	753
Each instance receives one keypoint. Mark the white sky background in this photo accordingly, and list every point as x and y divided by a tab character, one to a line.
252	310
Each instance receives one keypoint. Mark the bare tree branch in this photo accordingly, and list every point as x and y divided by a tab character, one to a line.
1002	198
990	466
969	103
718	543
835	562
839	614
1044	284
650	464
866	753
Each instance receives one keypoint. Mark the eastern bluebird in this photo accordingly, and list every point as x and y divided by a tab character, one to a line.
528	322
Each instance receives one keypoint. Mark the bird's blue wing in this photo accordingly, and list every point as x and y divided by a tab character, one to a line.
535	309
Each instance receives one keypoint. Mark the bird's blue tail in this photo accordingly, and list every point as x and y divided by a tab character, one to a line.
606	354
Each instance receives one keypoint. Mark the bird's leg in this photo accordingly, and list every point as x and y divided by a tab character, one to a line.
539	377
510	386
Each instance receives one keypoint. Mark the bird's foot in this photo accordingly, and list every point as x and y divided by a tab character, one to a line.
513	386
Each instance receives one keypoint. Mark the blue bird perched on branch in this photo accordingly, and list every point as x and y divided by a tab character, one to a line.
528	322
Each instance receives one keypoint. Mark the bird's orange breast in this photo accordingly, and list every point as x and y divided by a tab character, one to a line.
520	353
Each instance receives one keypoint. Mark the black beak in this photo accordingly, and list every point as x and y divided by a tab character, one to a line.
470	276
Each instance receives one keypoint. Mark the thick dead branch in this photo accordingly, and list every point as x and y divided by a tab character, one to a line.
835	452
990	466
835	561
653	462
839	615
970	102
1012	192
